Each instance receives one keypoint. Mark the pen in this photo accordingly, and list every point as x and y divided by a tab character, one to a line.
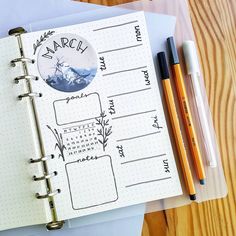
185	111
175	125
193	69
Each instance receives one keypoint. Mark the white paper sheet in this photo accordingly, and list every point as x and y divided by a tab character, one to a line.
159	28
137	163
21	12
18	143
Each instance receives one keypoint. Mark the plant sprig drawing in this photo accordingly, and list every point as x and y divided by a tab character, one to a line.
104	131
59	144
42	38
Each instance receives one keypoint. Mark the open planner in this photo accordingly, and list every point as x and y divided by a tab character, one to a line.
82	124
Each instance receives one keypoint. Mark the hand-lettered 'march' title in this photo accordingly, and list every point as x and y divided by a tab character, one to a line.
64	42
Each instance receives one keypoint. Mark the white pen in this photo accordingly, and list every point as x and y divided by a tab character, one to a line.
193	69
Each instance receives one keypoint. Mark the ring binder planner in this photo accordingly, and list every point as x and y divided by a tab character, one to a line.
102	116
50	193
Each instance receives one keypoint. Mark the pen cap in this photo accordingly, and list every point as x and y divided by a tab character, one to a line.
191	58
174	58
163	65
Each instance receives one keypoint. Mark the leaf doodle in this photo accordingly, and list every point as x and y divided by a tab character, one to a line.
104	131
42	38
59	144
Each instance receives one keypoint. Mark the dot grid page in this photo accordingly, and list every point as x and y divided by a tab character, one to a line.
101	115
18	143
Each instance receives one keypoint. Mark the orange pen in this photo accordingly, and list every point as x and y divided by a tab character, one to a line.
175	125
185	111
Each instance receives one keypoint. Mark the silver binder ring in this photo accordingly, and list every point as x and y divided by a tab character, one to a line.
21	59
51	194
47	176
27	77
42	159
31	95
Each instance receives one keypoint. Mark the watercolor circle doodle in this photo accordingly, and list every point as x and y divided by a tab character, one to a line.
67	62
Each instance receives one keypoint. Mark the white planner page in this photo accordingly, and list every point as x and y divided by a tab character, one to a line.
18	143
100	113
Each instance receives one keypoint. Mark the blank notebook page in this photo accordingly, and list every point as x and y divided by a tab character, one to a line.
101	115
18	143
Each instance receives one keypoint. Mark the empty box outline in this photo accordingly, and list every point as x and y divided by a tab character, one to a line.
78	116
99	202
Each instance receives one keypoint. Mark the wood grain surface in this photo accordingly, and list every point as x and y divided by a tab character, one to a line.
214	24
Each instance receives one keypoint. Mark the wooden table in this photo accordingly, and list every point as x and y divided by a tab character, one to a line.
214	24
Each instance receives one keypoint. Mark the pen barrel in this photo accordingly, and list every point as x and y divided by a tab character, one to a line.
188	178
188	122
211	155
